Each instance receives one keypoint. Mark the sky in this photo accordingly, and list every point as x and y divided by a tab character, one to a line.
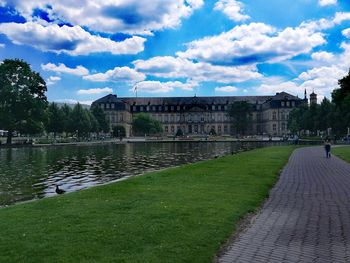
86	49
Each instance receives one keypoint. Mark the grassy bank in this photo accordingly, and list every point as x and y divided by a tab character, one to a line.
342	152
178	215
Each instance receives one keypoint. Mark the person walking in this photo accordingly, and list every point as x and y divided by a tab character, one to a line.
327	147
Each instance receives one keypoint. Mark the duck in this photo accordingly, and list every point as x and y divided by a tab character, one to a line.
59	191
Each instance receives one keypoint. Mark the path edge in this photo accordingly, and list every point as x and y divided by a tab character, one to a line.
248	220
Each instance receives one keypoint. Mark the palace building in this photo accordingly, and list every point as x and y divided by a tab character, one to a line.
200	115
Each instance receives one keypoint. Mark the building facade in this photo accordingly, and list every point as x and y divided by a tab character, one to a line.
202	115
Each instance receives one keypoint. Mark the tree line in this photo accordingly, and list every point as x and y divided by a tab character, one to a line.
332	117
77	120
24	107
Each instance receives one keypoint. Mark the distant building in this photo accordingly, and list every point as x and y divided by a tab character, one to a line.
313	98
199	115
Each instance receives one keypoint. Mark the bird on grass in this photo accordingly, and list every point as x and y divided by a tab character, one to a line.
59	191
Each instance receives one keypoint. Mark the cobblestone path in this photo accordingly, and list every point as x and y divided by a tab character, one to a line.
305	219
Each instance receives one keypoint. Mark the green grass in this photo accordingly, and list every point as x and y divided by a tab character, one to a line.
342	152
181	214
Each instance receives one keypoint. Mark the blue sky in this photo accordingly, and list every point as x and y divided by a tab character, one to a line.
85	49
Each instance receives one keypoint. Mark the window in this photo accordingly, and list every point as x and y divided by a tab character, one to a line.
160	108
283	103
283	126
219	117
141	108
213	107
107	105
172	129
225	129
172	108
274	127
274	115
288	104
112	105
178	107
166	108
219	128
147	108
154	108
172	118
102	105
166	118
166	129
293	103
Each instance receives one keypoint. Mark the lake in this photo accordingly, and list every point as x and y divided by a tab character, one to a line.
31	173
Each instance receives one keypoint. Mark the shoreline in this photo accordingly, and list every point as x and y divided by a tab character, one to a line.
143	140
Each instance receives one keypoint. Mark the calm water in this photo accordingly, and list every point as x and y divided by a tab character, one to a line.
29	173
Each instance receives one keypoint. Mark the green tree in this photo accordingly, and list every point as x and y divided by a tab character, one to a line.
56	118
179	133
22	98
298	118
341	100
324	118
240	113
80	121
144	124
94	125
119	131
101	118
67	120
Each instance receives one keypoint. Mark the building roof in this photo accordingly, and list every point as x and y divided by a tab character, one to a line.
194	100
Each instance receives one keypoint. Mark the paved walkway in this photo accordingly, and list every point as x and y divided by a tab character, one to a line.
306	218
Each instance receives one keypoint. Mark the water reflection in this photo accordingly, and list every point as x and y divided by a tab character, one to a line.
29	173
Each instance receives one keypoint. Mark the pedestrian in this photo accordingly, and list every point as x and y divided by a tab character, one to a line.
327	147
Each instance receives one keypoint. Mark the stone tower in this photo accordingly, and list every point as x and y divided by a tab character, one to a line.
313	98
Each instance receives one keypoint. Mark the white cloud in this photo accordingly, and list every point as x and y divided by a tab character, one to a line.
71	40
232	8
72	101
2	45
61	68
174	67
226	89
346	32
118	74
52	80
150	86
327	2
94	91
322	56
129	16
322	79
253	43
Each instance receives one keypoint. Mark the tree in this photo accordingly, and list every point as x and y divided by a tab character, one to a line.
324	116
144	124
341	111
101	118
94	125
80	121
240	113
22	98
118	131
56	118
67	120
299	118
179	133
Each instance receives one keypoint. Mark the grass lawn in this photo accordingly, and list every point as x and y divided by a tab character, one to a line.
342	152
181	214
